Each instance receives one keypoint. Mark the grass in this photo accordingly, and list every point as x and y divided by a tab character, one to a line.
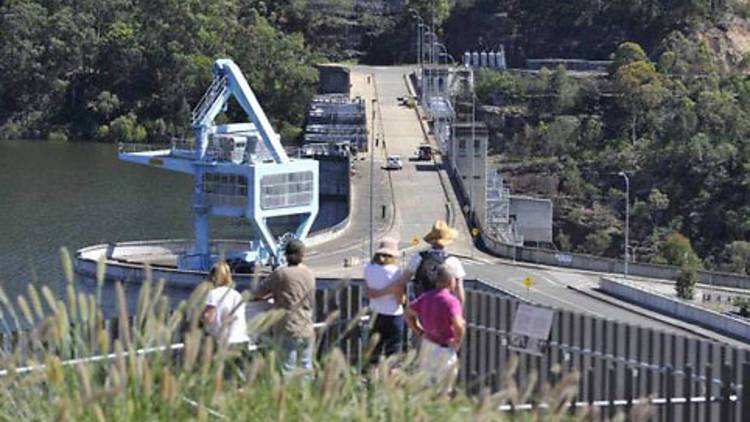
193	384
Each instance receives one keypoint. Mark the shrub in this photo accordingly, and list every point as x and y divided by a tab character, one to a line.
686	280
126	129
744	305
58	135
162	386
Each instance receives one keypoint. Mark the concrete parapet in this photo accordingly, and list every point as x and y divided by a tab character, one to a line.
674	307
605	265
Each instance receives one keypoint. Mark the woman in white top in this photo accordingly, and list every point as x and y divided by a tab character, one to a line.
387	308
224	314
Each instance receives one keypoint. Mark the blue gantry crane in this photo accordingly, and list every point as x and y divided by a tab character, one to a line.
240	171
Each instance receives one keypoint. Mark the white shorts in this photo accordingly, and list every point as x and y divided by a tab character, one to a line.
439	363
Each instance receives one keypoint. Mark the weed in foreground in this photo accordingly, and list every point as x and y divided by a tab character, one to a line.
68	363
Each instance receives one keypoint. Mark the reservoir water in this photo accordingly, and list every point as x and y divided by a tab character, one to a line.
74	194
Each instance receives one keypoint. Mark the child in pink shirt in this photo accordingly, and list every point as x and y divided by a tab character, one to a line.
437	317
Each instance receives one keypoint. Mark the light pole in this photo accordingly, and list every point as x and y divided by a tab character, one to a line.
420	47
627	217
430	59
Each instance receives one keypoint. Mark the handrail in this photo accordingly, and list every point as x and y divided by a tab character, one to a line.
217	87
148	350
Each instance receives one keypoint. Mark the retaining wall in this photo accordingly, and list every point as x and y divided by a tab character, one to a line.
736	327
606	265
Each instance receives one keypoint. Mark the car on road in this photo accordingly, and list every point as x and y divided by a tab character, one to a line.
424	152
393	162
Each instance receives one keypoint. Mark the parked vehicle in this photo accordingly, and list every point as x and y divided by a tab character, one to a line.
424	152
394	163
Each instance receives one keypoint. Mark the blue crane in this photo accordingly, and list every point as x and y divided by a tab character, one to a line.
241	171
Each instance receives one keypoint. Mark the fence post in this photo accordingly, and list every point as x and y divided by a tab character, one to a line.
630	375
669	374
612	387
745	415
687	413
591	386
726	393
709	387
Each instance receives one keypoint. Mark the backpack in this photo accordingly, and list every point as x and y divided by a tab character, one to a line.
425	278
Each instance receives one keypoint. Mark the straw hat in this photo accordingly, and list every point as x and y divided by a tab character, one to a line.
441	234
387	246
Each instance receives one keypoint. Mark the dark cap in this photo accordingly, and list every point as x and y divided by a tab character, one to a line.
294	247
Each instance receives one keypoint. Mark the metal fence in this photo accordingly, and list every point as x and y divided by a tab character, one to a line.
621	365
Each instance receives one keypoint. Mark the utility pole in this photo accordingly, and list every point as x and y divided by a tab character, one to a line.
627	218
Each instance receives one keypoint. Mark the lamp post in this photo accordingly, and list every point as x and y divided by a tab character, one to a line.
627	217
430	60
448	56
420	46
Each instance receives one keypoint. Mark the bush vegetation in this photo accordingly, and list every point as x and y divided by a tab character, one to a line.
196	383
674	123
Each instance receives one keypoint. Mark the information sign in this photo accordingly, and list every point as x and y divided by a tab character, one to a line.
531	328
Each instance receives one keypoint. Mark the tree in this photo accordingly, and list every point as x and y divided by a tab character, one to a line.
685	283
596	243
676	250
627	53
432	11
641	89
737	257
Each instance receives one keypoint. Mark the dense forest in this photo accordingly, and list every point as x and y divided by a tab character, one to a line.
672	111
131	70
673	114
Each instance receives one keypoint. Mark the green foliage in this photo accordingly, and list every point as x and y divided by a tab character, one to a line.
126	129
86	66
744	306
596	243
57	135
736	256
432	11
685	283
497	88
676	250
206	380
627	53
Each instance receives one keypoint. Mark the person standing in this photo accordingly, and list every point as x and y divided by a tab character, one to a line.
423	265
224	313
387	307
437	317
293	291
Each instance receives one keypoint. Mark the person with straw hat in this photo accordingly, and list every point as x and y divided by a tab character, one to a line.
423	266
380	274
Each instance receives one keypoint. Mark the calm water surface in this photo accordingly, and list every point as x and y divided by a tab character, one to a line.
76	194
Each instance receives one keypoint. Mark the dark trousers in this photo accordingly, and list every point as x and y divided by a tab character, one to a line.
391	330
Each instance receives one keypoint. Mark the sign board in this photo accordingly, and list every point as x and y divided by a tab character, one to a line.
563	258
415	241
528	282
531	328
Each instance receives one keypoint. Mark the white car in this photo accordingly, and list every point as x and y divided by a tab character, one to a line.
394	163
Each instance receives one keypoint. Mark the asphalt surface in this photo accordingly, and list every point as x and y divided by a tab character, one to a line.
414	198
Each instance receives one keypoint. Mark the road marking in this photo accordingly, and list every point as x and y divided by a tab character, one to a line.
544	277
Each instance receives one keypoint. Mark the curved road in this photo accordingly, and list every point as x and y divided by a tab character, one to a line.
419	199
